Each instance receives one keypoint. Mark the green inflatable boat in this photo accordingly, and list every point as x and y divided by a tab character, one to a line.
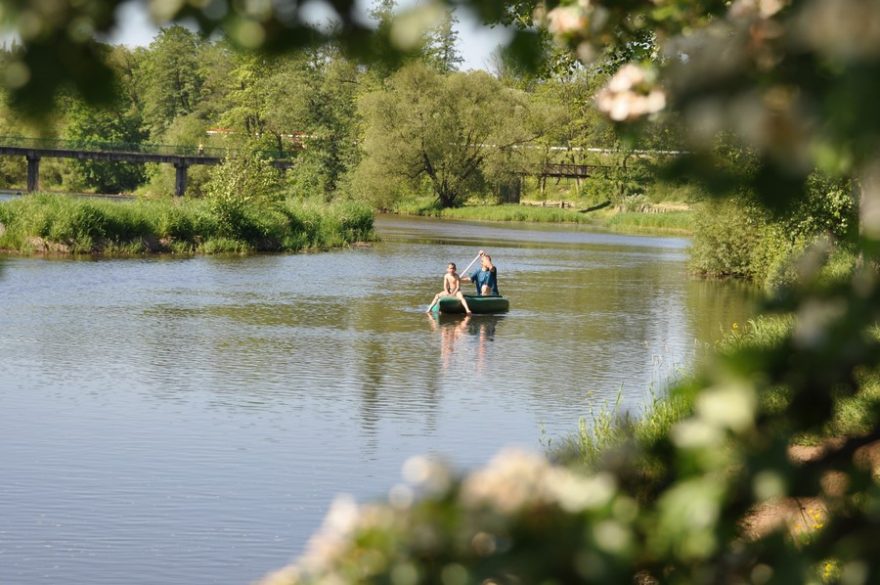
479	305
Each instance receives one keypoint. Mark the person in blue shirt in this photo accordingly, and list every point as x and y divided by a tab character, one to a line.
485	277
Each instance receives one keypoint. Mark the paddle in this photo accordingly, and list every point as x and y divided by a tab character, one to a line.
471	264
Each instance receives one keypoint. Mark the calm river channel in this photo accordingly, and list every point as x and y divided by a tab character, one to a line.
180	421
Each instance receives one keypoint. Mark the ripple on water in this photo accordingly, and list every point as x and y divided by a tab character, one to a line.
182	420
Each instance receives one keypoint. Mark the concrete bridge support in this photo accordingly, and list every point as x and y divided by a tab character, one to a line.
180	178
33	172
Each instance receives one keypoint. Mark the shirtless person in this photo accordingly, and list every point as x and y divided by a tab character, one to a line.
451	288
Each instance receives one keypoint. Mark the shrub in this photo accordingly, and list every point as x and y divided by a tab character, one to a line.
737	237
222	224
725	235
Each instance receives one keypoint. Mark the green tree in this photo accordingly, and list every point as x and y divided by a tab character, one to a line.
170	78
441	51
250	95
304	107
437	128
89	126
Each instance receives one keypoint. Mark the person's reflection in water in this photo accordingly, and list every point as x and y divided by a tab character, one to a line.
484	329
450	331
451	328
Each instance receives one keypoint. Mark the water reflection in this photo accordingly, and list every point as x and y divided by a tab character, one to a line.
241	396
451	329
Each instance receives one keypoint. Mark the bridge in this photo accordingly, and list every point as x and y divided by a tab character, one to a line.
568	171
182	157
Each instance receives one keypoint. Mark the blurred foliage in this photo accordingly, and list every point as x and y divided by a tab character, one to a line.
788	87
763	94
739	237
60	36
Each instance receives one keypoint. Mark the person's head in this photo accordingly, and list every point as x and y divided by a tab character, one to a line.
450	267
486	261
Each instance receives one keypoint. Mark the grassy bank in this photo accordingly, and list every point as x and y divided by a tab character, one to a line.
663	222
603	432
68	225
512	212
671	222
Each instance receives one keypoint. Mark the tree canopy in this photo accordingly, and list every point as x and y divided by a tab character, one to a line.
442	129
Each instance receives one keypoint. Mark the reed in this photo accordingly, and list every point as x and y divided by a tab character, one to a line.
604	431
61	224
672	222
517	213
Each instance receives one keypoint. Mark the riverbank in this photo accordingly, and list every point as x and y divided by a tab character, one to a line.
610	429
677	220
59	224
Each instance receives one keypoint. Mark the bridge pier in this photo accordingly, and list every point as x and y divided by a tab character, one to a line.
33	172
180	178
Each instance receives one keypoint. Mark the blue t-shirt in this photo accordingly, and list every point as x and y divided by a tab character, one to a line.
488	277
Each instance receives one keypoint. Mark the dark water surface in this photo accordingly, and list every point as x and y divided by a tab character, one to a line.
180	421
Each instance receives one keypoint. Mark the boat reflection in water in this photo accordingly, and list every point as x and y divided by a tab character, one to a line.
453	327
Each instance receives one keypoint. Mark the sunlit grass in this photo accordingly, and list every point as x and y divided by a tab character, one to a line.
69	225
673	222
514	212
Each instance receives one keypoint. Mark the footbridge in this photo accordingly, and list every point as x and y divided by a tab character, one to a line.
182	157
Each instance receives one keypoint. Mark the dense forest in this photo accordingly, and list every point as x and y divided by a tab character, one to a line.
381	132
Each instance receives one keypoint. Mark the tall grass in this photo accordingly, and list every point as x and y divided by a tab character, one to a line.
672	222
514	212
601	433
68	225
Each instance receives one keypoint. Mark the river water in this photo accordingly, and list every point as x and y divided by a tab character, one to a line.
179	421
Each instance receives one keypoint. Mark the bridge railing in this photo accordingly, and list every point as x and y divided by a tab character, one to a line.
123	147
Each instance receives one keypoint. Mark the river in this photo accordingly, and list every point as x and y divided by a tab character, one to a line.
189	420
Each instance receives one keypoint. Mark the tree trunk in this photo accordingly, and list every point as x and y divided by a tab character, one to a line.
511	190
445	196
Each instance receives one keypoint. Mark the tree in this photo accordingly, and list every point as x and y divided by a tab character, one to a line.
441	51
170	78
252	90
437	128
303	107
90	126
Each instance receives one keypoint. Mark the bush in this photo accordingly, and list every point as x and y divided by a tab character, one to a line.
739	238
68	224
725	234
